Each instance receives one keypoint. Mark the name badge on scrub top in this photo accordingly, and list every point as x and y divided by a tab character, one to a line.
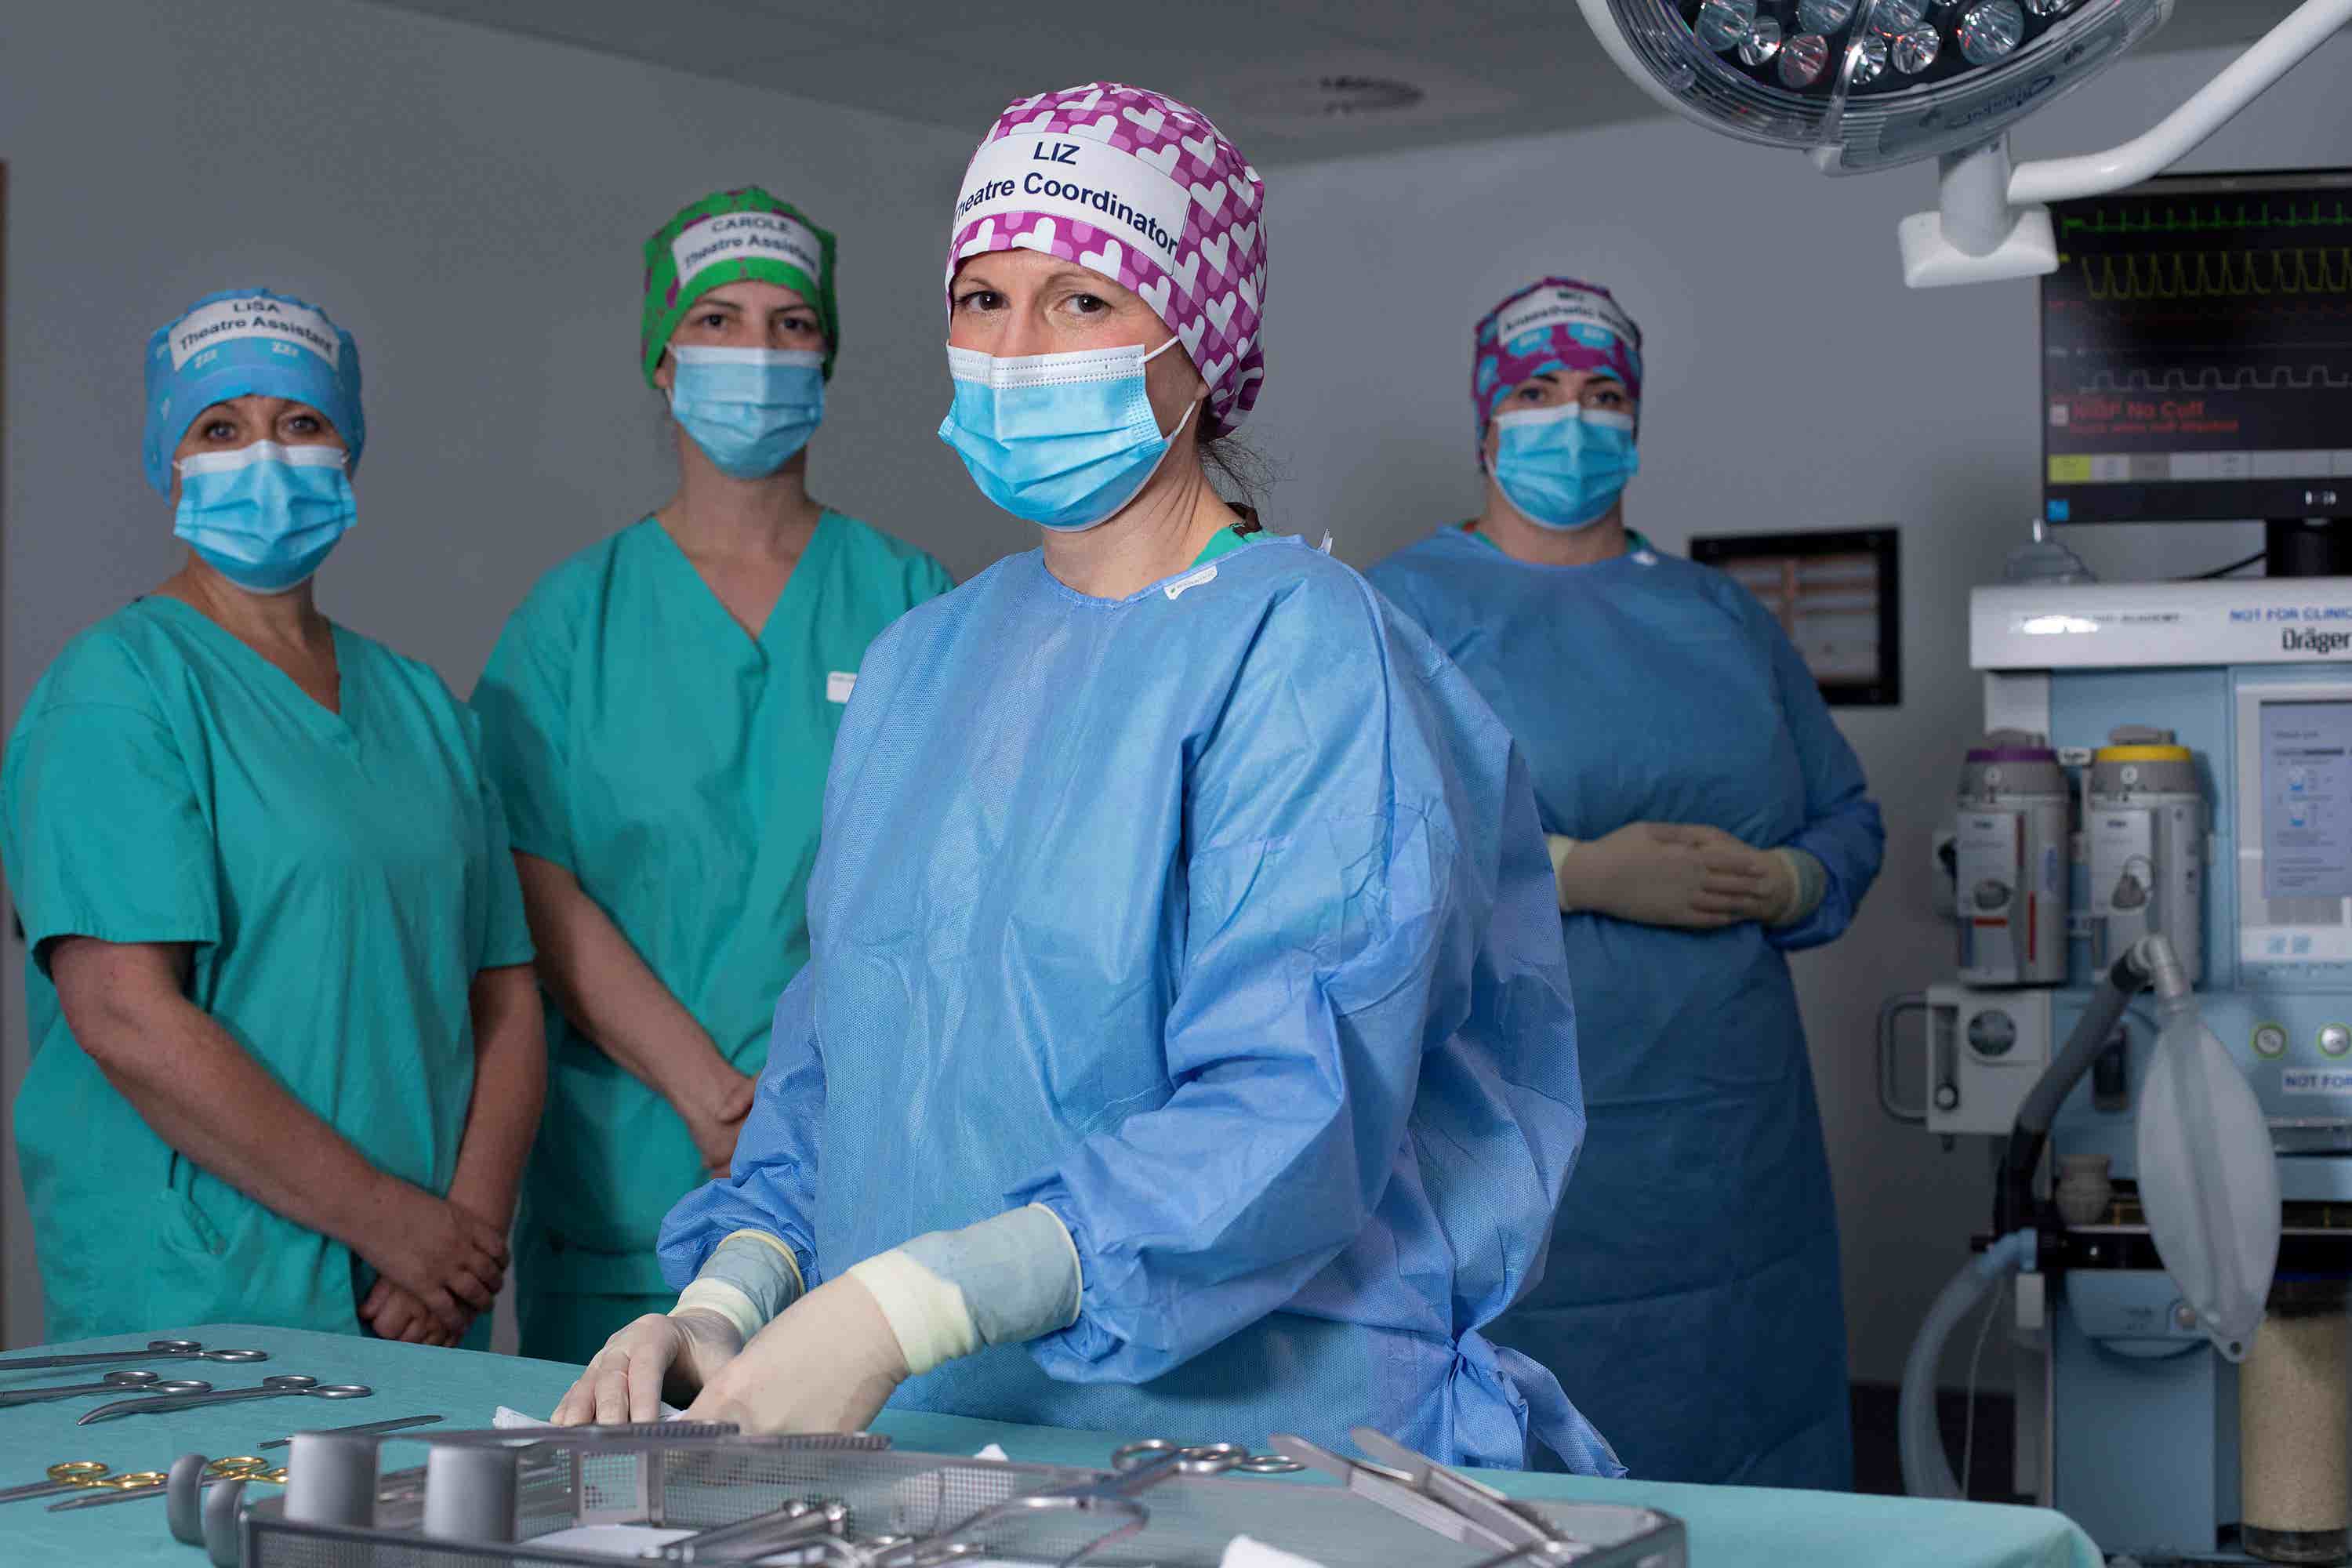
839	684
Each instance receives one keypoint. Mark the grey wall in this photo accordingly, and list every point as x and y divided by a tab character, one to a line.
471	206
1792	381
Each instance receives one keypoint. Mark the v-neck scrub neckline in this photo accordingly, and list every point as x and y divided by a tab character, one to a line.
335	721
821	541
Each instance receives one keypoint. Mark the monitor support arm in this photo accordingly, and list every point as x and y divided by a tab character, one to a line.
1993	221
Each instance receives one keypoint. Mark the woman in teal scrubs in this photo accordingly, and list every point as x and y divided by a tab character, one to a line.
286	1061
660	716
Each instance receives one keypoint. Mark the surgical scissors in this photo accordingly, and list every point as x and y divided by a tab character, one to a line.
1135	1467
1204	1459
113	1382
74	1476
286	1386
236	1468
157	1350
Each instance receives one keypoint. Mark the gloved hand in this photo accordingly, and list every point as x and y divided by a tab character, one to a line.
828	1363
1793	879
1664	874
679	1356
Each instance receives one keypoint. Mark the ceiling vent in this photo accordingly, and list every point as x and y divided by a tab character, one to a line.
1337	96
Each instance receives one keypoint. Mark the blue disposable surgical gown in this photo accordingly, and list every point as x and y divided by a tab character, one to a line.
1216	920
1692	1305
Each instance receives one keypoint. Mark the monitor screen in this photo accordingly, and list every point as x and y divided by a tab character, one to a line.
2197	351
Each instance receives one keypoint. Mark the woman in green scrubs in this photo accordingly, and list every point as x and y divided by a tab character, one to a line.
285	1060
659	715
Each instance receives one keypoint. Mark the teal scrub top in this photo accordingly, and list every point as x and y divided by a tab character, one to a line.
675	765
342	878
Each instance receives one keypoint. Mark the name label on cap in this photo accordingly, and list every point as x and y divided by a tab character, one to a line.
226	320
748	236
1077	177
1558	307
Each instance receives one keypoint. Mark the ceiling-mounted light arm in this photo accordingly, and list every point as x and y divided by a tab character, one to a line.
2178	134
1991	222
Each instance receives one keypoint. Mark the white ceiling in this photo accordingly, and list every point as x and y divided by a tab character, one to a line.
1489	68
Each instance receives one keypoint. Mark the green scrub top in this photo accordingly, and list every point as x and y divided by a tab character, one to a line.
342	878
1224	541
675	765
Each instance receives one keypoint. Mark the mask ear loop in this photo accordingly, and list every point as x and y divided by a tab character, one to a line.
1195	408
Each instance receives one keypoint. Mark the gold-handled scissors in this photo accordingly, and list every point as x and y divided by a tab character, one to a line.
235	1467
78	1475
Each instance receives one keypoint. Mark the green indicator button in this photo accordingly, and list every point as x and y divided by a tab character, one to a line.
2335	1040
2270	1040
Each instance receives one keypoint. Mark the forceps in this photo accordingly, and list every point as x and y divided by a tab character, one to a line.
1467	1512
157	1350
113	1383
283	1387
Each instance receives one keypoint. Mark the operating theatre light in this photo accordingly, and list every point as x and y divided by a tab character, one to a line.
1867	84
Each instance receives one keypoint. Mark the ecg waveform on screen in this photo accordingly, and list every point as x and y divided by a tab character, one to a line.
2287	272
2214	378
2197	349
2208	216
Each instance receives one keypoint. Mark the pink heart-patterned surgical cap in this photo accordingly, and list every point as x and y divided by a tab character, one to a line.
1145	191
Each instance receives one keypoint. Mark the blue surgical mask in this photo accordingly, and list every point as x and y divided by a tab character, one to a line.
265	516
1564	467
1062	440
750	410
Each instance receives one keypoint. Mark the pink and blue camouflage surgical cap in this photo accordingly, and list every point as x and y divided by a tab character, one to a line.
1560	324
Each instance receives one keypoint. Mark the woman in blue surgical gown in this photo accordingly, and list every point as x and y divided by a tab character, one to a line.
1185	1047
1705	818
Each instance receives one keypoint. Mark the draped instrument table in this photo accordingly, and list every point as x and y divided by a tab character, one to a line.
1730	1527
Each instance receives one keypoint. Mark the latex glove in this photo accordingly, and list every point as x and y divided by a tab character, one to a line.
678	1354
392	1314
828	1363
1662	874
715	1119
450	1260
1794	880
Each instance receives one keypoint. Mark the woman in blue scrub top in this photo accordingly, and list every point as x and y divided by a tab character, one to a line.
285	1046
659	714
1705	818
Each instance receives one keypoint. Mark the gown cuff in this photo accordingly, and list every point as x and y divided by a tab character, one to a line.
1003	1280
750	1279
1813	881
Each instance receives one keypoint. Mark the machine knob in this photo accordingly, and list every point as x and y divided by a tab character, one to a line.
2335	1040
2184	1317
1947	1096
